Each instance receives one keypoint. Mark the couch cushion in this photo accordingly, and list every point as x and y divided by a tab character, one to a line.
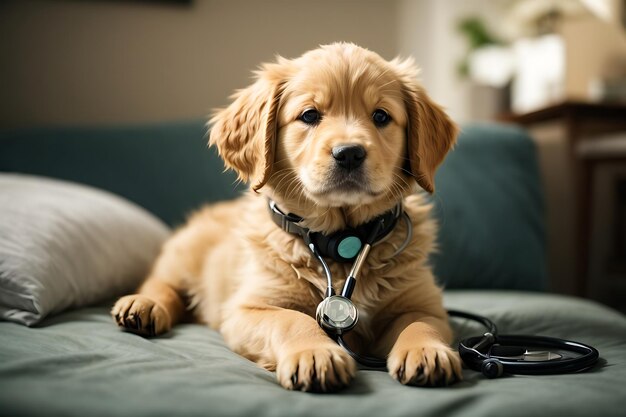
80	363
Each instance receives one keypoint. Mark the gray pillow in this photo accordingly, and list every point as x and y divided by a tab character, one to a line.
66	245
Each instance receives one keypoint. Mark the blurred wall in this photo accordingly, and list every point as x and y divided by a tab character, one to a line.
427	30
103	62
590	57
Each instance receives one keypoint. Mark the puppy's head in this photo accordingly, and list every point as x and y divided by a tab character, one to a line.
339	126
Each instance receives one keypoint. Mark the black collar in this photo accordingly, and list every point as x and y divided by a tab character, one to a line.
344	245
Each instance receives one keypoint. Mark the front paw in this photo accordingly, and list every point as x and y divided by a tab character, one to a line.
318	369
141	315
435	364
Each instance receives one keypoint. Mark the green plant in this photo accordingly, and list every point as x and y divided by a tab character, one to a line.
475	31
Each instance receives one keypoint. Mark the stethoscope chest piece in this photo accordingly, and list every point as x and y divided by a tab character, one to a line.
337	314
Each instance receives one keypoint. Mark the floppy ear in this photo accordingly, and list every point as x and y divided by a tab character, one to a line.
430	132
245	132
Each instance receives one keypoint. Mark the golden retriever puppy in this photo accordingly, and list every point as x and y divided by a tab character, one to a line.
338	137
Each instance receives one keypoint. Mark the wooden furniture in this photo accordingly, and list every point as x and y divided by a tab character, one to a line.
578	121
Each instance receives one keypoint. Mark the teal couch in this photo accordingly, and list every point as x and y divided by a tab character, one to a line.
491	261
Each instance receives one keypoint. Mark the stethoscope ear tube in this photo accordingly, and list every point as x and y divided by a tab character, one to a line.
474	352
495	366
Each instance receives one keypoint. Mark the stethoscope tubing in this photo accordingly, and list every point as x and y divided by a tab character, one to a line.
474	359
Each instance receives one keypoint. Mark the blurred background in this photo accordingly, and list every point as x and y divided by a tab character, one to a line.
557	67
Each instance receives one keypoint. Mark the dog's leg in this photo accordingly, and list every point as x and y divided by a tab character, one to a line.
418	350
177	273
152	311
290	342
158	304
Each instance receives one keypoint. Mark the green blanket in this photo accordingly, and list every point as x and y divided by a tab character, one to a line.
80	364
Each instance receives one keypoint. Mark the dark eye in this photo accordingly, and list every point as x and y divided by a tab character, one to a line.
310	116
381	118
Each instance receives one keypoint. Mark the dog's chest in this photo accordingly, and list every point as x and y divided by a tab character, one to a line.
376	283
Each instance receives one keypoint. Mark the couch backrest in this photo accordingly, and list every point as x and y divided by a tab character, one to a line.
165	168
488	193
490	207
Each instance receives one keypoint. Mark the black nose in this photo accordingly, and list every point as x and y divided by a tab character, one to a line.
349	156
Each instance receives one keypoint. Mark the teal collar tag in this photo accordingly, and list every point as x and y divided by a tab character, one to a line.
349	247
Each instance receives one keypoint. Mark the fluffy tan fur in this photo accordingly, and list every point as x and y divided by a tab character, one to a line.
235	270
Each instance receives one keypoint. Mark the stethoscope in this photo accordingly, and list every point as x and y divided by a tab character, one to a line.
492	354
495	355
